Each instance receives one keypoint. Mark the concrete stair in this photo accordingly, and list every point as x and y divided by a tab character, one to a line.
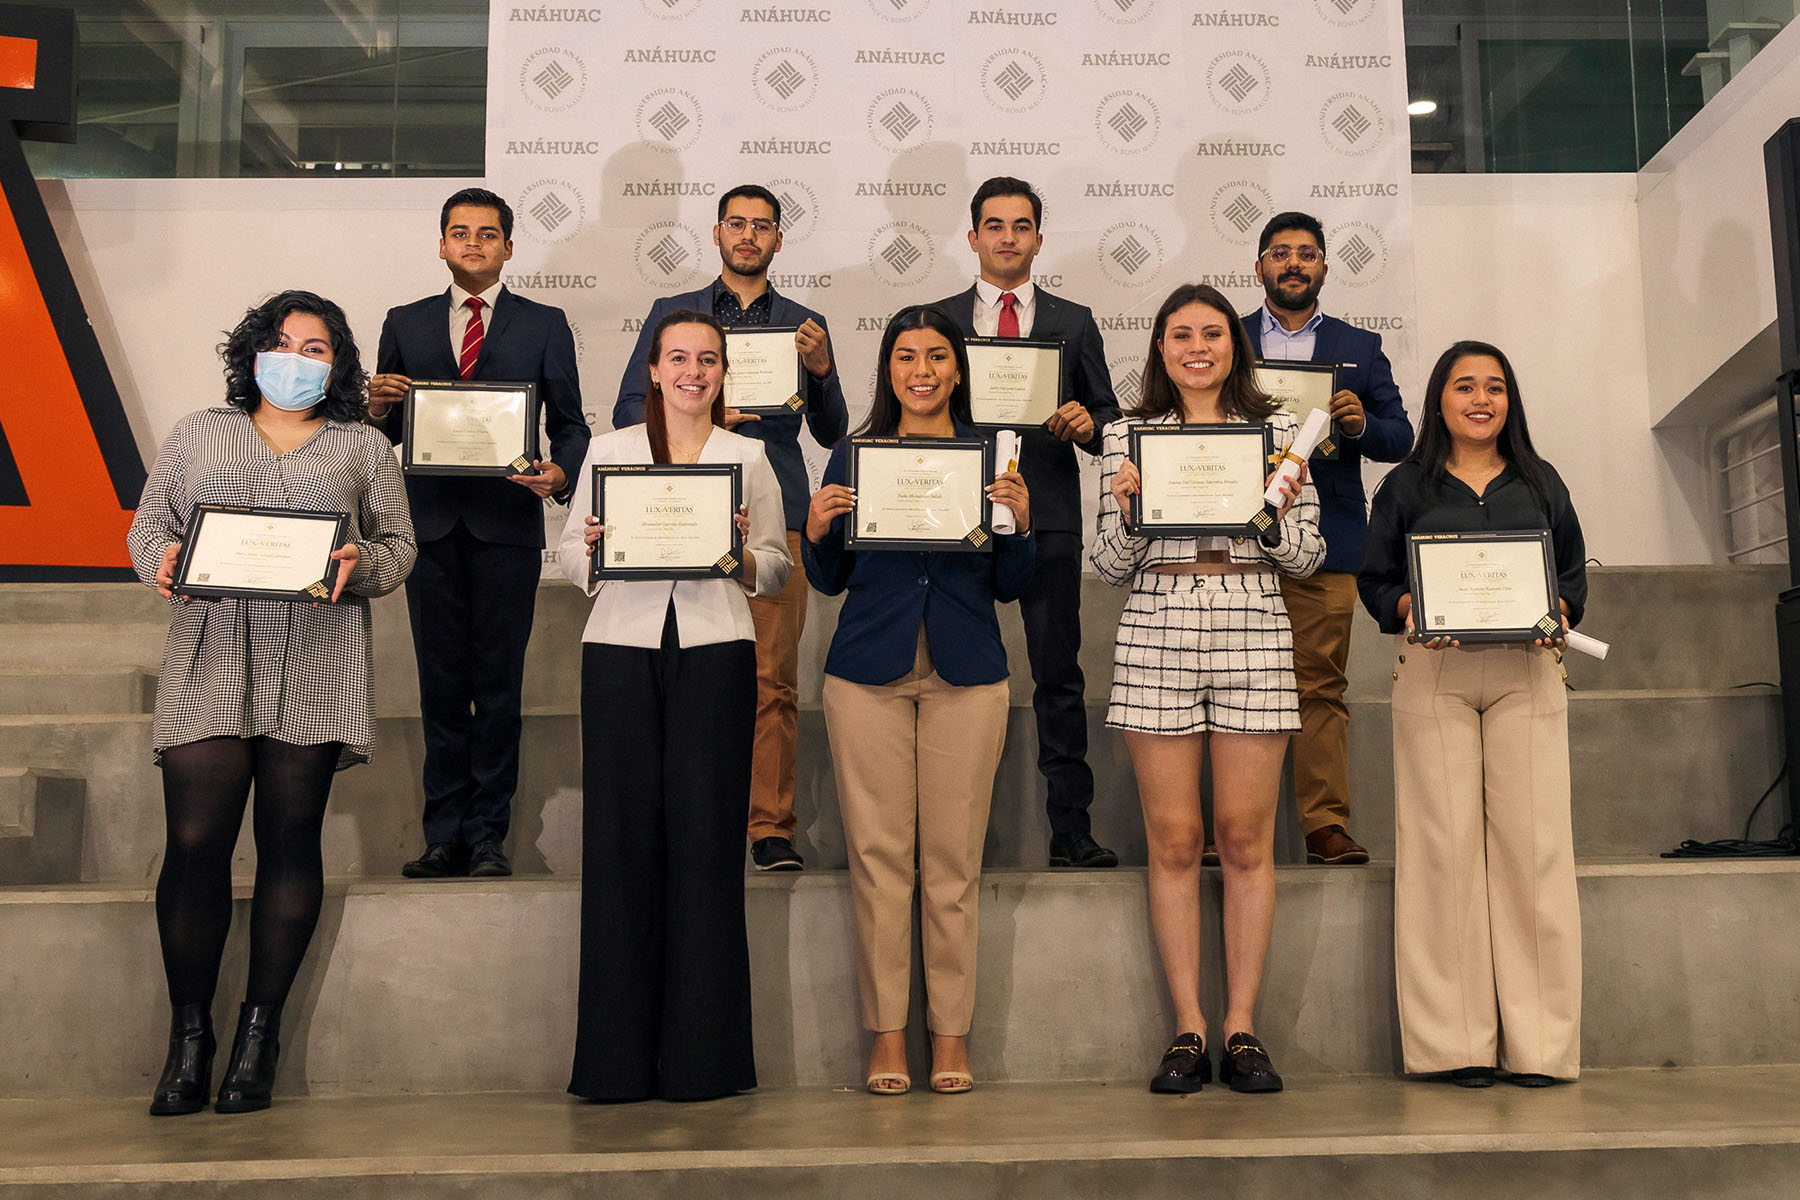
41	818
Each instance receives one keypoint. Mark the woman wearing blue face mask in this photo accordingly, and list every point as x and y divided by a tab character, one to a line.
262	692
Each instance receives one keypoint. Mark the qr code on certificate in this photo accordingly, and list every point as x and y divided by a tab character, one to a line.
618	557
869	528
424	456
1440	619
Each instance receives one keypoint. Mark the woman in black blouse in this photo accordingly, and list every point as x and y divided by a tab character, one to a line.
1487	932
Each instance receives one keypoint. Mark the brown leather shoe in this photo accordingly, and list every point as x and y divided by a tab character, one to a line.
1332	845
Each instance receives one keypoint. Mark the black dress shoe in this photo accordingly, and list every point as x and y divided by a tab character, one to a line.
1184	1069
250	1074
441	860
1079	850
1473	1077
775	854
488	861
187	1072
1530	1079
1246	1066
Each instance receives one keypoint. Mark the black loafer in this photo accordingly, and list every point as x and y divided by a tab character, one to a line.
775	854
1473	1077
488	861
441	860
1079	850
1245	1066
1530	1079
1184	1069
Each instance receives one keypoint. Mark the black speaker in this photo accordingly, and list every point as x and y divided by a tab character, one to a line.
1781	159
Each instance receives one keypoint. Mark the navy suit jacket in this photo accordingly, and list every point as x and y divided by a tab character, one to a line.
826	414
525	342
1386	437
1047	462
892	591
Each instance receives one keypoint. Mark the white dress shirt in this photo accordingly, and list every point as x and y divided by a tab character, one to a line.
987	308
630	612
459	315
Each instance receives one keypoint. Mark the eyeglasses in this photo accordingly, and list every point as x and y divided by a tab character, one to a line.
735	226
1306	254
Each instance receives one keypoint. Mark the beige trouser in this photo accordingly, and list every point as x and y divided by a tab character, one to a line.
915	758
1487	927
778	619
1320	607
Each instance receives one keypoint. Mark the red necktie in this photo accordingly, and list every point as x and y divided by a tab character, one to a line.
471	347
1009	316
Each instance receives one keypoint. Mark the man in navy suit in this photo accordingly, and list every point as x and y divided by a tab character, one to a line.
1368	413
748	235
472	594
1006	216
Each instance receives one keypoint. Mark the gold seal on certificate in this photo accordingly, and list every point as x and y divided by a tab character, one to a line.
1301	387
920	494
260	553
668	521
764	375
463	428
1013	383
1484	587
1201	480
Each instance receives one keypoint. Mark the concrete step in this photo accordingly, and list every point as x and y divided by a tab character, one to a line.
42	814
1649	769
51	691
1627	1134
470	986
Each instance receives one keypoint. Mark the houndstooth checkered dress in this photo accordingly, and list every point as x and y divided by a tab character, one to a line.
250	668
1199	652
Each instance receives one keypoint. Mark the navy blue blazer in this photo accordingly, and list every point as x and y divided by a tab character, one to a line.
1047	463
892	591
525	342
1386	437
826	414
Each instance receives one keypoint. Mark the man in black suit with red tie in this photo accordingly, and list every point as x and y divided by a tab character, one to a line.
1006	215
472	594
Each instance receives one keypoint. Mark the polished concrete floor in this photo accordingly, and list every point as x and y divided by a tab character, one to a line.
389	1145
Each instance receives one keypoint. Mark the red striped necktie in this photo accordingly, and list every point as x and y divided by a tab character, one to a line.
472	336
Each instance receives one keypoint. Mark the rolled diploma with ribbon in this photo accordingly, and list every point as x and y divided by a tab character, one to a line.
1295	455
1591	646
1006	458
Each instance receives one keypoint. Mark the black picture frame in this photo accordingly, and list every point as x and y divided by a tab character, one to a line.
1428	624
979	540
412	461
728	566
1261	516
316	592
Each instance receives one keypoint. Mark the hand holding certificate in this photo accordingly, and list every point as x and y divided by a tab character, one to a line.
1201	480
1484	587
764	377
463	428
263	554
667	521
920	494
1304	388
1013	383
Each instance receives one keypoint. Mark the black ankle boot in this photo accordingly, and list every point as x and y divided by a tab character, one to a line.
187	1073
250	1073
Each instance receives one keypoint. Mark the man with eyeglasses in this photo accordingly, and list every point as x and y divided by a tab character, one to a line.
748	235
1369	415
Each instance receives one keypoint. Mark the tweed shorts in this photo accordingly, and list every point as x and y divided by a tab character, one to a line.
1198	653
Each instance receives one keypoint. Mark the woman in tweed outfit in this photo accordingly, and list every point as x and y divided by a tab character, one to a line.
1205	661
262	692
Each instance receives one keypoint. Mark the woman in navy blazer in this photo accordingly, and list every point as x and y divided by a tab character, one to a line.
915	704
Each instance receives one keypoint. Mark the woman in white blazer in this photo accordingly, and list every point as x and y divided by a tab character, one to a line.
668	709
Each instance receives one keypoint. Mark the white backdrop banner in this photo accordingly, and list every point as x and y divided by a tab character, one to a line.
1161	136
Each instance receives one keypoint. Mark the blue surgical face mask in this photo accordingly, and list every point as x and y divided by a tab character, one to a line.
291	382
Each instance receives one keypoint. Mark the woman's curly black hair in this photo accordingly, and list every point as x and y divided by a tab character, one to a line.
346	392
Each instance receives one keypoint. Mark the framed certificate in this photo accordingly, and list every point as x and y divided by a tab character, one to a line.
1201	480
668	521
1014	383
259	553
920	494
764	376
1301	387
1484	587
462	428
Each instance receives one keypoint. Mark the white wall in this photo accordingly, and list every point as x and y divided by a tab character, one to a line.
1546	267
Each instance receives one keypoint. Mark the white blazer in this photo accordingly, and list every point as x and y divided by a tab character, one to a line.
631	612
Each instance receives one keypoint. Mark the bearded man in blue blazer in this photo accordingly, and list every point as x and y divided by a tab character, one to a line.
748	235
1006	215
473	593
1372	422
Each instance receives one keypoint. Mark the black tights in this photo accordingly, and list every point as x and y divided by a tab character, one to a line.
205	787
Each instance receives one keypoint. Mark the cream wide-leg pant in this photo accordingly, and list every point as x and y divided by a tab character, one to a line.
1487	926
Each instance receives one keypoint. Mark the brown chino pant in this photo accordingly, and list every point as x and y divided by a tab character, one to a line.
1320	607
1487	926
915	759
779	620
